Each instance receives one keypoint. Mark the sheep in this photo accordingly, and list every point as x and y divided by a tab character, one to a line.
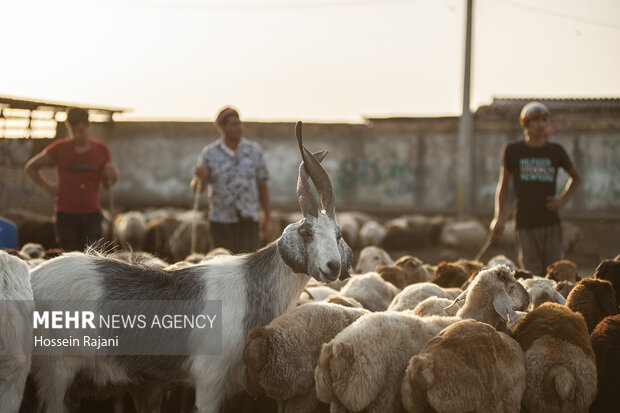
606	345
563	270
502	260
559	361
493	297
372	257
522	274
610	270
393	275
414	294
542	290
472	267
349	227
33	250
371	233
363	366
468	366
398	235
253	289
16	308
370	290
280	358
130	230
317	293
414	269
450	275
594	299
436	306
344	301
565	287
463	233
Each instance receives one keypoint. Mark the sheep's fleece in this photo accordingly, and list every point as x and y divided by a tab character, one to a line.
468	366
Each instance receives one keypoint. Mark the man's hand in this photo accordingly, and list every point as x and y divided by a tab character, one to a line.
52	190
496	228
555	204
110	176
266	230
201	173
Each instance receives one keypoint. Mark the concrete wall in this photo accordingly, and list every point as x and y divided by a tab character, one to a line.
387	166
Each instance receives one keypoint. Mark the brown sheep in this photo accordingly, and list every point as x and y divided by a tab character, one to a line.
594	299
606	345
414	269
468	366
563	270
449	275
281	357
393	274
565	287
559	360
610	270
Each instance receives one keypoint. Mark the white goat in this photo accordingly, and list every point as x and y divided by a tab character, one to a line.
16	306
254	289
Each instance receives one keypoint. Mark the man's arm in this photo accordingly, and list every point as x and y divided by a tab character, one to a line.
263	194
33	170
501	199
556	204
110	175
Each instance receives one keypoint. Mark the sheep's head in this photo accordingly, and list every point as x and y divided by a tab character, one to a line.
499	283
371	258
314	245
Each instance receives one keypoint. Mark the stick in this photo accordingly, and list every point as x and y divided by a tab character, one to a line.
484	247
111	208
196	202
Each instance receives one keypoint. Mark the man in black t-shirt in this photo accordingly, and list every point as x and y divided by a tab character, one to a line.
533	165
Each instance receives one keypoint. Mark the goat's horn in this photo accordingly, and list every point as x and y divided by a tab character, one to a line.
307	200
318	175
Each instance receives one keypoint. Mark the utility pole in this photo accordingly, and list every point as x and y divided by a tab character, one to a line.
466	148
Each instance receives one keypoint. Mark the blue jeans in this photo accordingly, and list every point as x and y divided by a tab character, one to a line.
77	231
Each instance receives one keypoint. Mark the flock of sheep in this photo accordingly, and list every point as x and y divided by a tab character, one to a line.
404	336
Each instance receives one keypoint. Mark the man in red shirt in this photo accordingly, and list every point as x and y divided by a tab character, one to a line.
82	164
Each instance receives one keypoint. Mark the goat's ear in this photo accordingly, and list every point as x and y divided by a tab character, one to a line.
255	357
503	306
292	249
346	259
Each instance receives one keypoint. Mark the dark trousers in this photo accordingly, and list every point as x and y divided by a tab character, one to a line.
540	247
238	237
76	231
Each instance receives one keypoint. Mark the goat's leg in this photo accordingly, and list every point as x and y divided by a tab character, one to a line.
15	370
210	379
53	376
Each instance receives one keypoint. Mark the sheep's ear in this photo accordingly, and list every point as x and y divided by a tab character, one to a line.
559	298
346	259
503	306
255	357
291	247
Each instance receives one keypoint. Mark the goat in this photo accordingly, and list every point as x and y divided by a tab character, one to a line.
16	308
253	288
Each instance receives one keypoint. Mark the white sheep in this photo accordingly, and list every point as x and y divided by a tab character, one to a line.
372	257
130	230
16	308
371	233
436	306
349	227
414	294
467	367
363	366
370	290
33	250
494	297
318	293
502	260
542	290
253	289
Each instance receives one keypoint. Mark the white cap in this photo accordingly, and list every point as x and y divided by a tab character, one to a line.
532	109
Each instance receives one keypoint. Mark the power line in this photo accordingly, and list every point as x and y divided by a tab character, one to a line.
558	14
253	7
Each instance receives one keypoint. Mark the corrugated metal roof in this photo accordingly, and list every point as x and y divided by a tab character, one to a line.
30	104
559	103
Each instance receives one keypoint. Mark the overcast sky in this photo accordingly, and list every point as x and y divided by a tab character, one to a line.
322	60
